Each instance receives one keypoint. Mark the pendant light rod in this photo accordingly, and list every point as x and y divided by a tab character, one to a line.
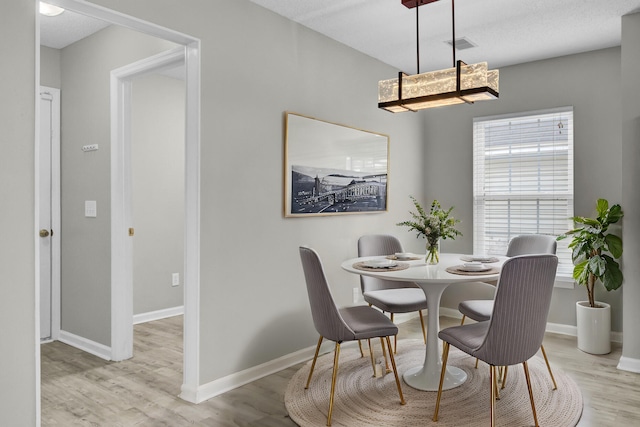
453	30
417	40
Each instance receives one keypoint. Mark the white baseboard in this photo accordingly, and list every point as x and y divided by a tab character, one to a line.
559	328
158	314
399	318
450	312
556	328
629	364
97	349
237	379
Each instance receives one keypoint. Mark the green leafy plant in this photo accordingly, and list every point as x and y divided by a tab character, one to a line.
595	250
435	225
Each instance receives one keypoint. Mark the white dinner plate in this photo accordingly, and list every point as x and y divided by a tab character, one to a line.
474	268
380	263
477	258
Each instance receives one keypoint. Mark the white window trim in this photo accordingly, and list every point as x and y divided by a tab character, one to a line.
563	280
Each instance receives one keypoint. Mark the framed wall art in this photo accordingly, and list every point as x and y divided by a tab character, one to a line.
332	169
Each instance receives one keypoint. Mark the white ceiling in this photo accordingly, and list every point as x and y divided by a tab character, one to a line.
60	31
505	32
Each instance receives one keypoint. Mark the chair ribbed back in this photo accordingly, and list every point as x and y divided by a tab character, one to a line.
532	244
520	310
379	244
326	316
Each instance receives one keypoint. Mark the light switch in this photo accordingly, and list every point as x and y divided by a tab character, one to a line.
90	209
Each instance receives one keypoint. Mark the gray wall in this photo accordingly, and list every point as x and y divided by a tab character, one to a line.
590	82
158	112
17	136
630	180
85	109
50	67
275	65
255	66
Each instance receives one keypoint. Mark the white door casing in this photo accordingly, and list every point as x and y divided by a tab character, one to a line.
48	213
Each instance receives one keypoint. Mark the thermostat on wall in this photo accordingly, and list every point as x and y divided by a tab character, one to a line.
92	147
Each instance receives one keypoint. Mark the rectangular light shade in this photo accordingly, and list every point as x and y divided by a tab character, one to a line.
461	84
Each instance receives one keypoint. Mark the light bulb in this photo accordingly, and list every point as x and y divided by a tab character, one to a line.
50	10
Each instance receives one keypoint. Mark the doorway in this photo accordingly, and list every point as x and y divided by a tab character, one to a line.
122	271
120	294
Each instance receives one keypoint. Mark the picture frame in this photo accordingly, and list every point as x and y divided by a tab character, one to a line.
333	169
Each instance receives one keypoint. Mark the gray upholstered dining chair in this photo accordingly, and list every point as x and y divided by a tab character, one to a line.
515	330
388	295
480	310
342	324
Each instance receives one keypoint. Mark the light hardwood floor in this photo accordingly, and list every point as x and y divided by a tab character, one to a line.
79	389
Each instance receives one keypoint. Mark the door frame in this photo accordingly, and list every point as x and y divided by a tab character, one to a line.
191	368
55	205
121	195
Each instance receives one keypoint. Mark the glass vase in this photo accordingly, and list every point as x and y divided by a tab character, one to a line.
433	252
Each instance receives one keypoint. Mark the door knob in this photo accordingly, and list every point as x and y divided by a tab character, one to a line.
44	233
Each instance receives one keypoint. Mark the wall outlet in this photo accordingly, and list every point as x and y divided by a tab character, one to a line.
175	279
90	209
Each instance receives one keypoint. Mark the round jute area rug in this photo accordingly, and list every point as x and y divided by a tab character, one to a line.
363	400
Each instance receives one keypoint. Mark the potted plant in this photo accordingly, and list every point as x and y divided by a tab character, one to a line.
435	225
594	255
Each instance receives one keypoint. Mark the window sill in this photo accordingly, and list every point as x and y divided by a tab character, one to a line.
564	282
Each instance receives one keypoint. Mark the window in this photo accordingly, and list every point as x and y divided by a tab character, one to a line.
523	180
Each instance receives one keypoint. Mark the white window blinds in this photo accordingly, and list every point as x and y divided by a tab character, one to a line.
523	180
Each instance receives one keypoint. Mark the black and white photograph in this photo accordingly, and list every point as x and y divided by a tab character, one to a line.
333	169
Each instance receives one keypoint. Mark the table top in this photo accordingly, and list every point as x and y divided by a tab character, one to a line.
419	271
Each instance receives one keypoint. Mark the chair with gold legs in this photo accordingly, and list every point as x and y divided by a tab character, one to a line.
342	324
515	330
480	310
388	295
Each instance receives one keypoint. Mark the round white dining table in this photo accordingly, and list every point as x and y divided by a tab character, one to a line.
433	279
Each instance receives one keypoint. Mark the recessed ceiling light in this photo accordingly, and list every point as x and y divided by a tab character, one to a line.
47	9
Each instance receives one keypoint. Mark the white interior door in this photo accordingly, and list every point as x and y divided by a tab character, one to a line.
48	212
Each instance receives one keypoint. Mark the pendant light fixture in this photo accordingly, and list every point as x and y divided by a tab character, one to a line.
461	84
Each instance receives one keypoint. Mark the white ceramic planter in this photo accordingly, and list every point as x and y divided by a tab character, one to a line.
594	327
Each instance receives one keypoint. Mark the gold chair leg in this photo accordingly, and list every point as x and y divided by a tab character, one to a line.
313	364
395	339
504	377
333	381
384	352
373	360
533	405
424	332
492	384
360	346
553	380
476	363
395	372
445	356
497	374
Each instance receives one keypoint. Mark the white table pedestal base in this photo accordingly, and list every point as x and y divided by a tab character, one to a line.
419	379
